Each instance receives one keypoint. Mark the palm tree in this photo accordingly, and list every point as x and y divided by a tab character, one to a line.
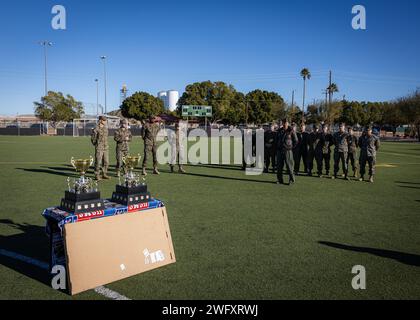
333	88
305	74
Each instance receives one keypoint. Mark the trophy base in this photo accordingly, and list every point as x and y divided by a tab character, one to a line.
78	197
141	189
77	207
131	199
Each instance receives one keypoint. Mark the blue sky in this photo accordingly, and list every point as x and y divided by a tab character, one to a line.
160	45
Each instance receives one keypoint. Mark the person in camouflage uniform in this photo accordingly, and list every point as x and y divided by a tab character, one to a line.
369	145
177	140
323	150
341	151
286	142
99	139
353	143
270	149
312	143
302	149
122	137
149	135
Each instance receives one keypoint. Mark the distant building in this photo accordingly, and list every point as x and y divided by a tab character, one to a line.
170	99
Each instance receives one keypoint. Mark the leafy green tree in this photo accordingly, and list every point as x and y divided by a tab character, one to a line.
410	108
219	95
141	106
55	107
329	113
313	114
236	113
264	106
352	113
392	114
294	114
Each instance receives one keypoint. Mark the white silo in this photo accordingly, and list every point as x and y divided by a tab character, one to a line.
172	97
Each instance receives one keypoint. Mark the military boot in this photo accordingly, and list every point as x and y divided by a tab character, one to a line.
172	168
156	171
362	178
144	173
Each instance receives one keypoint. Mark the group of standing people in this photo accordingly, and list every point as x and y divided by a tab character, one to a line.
123	138
288	147
285	149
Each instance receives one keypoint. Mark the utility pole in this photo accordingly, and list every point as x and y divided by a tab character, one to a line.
97	97
329	89
45	44
103	58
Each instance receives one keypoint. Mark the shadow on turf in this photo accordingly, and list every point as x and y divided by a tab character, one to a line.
402	182
410	187
405	258
214	166
48	171
29	241
227	178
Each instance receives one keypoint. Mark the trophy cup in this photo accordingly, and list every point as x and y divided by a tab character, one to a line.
131	191
82	195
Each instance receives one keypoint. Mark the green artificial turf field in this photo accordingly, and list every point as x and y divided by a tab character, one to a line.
235	236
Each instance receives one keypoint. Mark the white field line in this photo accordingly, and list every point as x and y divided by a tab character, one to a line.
108	293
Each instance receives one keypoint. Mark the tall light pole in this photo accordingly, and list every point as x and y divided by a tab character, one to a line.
97	96
103	58
45	44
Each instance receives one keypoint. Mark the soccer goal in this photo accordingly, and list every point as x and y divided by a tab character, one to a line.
84	127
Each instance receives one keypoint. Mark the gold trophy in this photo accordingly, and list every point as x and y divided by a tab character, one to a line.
130	163
81	166
82	195
131	191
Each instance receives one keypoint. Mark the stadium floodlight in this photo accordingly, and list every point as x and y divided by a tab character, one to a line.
103	58
97	96
46	44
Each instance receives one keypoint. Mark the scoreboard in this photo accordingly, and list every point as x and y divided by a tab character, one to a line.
197	111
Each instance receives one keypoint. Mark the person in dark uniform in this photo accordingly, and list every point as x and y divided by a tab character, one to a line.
295	149
312	143
341	151
302	149
286	142
369	145
248	160
353	143
270	149
323	151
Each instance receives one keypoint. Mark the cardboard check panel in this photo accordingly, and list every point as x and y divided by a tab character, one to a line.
105	250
